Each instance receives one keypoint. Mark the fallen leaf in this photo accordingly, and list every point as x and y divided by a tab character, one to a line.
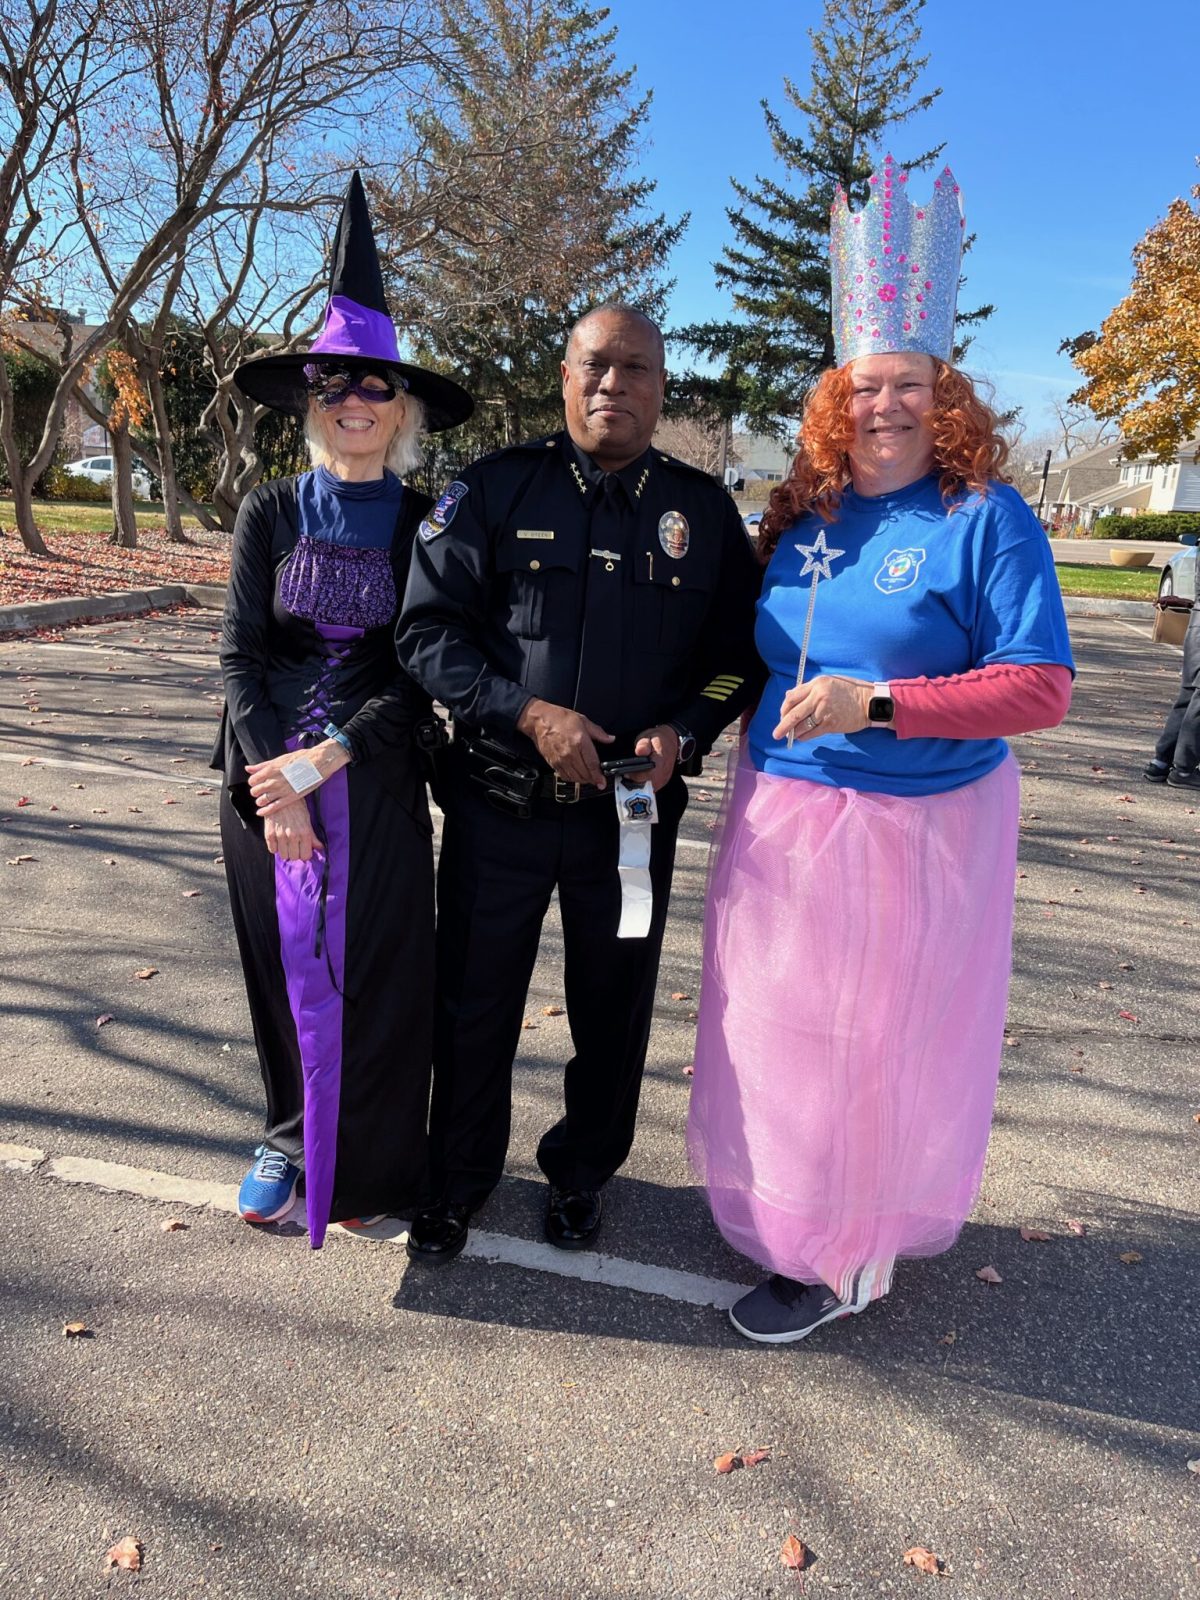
15	861
949	1338
24	800
690	1072
1194	1464
1076	1226
190	894
146	972
106	1017
924	1560
173	1225
729	1462
552	1011
988	1275
136	810
76	1330
1129	1257
794	1553
170	801
126	1553
680	994
1034	1236
529	1023
1128	1016
755	1458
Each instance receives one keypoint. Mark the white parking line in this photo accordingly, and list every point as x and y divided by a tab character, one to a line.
587	1266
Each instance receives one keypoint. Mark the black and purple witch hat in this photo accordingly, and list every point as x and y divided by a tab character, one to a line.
358	331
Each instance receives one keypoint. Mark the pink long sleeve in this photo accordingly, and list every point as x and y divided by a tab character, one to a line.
989	702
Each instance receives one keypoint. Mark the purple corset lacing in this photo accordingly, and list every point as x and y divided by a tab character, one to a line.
338	584
317	709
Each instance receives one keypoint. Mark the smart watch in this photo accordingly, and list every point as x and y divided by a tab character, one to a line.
881	708
687	743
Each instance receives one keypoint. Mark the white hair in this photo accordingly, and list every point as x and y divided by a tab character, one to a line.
405	452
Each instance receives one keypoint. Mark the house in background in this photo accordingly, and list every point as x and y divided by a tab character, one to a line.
1128	486
762	458
80	435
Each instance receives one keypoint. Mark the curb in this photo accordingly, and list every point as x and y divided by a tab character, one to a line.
95	608
1081	605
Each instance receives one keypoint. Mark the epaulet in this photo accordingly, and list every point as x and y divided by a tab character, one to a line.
674	462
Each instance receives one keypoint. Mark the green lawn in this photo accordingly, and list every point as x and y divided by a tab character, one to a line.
1115	583
83	516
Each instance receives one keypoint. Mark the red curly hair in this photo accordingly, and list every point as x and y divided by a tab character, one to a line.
967	449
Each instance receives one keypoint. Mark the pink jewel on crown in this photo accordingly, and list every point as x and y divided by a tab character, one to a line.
902	261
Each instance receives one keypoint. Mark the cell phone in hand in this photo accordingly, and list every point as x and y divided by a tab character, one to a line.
627	766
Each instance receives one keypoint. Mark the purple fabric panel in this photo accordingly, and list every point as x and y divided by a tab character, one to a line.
354	330
338	584
315	972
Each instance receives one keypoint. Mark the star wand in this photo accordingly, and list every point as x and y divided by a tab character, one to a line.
817	557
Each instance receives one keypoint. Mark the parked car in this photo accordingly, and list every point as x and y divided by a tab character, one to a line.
1179	570
751	521
99	470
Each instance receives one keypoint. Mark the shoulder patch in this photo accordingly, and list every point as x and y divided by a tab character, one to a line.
442	515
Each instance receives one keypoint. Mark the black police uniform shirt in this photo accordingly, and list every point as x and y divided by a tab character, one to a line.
629	596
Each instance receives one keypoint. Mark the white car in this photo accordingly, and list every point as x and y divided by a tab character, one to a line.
99	470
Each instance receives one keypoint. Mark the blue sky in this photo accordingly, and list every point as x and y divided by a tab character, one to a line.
1070	127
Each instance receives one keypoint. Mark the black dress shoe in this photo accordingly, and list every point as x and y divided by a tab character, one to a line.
438	1233
573	1217
1178	778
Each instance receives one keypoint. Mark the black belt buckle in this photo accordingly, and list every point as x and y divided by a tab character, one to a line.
565	792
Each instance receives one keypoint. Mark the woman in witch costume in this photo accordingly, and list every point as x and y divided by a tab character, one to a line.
859	923
324	820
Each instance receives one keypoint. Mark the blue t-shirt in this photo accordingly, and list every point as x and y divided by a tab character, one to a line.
915	591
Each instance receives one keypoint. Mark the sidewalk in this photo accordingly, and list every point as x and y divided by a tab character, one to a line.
271	1422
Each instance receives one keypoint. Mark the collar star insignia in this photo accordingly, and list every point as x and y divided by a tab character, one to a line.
579	479
817	557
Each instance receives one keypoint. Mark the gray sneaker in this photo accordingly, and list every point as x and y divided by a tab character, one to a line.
780	1310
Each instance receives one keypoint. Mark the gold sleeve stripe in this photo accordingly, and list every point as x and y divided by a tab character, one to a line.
722	687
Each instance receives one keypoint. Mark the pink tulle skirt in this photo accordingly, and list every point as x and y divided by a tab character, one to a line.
857	950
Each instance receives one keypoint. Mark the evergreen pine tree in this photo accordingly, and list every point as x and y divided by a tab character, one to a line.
545	214
864	83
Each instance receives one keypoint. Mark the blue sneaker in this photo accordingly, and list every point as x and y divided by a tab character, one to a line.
780	1311
269	1188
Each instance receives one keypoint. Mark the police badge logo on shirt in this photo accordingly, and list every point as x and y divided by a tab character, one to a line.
442	515
674	534
899	570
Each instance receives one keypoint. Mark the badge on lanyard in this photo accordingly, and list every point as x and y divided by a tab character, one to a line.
674	534
637	813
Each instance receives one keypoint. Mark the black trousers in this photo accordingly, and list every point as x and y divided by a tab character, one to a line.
495	879
1179	742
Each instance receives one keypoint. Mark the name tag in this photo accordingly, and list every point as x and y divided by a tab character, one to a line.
535	533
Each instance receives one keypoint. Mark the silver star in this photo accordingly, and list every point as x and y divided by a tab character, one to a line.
817	557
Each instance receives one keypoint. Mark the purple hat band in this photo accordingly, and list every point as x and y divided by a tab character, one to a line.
354	330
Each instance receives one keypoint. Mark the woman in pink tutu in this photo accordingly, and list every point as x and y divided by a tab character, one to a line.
858	939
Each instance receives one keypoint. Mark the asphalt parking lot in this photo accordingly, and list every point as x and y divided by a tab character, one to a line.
528	1426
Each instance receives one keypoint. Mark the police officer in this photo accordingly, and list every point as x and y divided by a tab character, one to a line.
575	601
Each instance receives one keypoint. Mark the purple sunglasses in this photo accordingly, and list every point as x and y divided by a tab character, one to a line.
330	386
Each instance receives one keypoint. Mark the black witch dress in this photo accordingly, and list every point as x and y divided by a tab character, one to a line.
337	952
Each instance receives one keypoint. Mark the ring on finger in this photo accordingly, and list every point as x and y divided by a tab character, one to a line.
812	721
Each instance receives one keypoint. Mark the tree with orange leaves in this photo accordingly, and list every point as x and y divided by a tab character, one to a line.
1143	368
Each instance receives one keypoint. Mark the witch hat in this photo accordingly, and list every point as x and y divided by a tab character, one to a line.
358	331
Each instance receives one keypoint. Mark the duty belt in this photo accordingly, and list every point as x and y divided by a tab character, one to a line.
512	784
